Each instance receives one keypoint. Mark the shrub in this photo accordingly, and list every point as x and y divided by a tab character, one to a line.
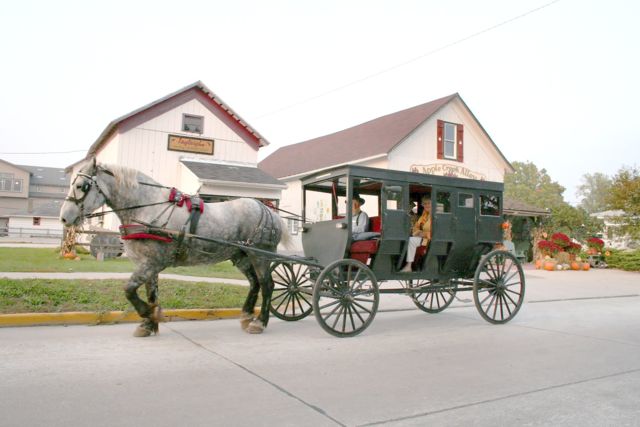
624	260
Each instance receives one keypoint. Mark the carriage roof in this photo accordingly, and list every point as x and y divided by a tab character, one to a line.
400	176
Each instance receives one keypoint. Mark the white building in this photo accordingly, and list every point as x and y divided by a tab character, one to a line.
441	137
611	236
191	140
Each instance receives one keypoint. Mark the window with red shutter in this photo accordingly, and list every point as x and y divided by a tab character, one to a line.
450	144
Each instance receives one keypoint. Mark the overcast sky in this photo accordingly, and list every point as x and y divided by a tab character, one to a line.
557	86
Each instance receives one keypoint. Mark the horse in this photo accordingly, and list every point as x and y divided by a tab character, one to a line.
138	201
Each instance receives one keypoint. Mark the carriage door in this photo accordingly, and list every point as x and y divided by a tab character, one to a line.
489	217
395	219
465	219
442	222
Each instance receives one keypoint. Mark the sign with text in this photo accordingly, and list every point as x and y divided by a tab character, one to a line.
190	145
448	170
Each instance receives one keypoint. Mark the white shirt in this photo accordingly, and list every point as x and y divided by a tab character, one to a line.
360	223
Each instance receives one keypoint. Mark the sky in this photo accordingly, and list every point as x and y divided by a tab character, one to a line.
554	82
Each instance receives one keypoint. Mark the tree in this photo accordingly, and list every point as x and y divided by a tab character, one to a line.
625	195
535	187
594	192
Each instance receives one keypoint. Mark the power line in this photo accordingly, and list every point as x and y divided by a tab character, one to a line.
409	61
45	152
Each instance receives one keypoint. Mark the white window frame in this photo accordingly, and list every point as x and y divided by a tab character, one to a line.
453	141
185	127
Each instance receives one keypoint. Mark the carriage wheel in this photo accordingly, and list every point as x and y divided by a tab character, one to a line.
345	298
431	297
292	289
498	286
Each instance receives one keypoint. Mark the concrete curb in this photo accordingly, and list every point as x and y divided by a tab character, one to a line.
97	318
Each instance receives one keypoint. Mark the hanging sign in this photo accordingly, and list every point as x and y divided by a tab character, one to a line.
448	170
190	145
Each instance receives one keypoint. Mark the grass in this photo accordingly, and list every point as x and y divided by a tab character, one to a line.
54	296
48	260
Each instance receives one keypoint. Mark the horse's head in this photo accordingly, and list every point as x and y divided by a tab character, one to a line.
85	195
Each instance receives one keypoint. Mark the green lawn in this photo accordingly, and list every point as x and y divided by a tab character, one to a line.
48	260
53	296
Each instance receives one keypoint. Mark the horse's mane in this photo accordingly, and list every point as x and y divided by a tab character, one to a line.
124	176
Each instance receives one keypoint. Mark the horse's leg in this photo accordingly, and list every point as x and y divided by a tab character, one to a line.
261	268
266	285
243	264
143	274
153	300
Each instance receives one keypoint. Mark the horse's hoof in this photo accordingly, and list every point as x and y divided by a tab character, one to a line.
141	331
245	320
255	327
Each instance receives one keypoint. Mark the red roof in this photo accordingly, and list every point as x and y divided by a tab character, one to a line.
375	137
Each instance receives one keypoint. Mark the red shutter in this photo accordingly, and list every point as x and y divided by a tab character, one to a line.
440	142
460	142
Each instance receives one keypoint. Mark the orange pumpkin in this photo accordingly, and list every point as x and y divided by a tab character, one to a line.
549	265
538	264
575	265
586	266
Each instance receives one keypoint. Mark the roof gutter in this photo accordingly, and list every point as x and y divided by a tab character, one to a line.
244	184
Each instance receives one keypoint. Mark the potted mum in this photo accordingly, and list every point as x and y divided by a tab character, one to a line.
595	245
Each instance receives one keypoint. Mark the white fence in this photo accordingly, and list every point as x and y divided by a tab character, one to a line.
27	233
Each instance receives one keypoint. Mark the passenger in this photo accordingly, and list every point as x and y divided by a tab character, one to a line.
359	219
420	233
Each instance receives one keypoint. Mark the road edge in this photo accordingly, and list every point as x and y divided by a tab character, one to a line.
111	317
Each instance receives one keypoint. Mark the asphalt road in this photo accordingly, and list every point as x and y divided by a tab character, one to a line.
570	357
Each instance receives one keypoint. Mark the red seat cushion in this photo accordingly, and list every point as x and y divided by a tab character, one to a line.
375	224
362	250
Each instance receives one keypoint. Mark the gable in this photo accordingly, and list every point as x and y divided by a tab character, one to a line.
163	105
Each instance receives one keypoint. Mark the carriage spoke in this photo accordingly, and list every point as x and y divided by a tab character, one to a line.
507	304
332	312
510	299
365	309
330	304
513	292
338	317
358	314
353	324
280	295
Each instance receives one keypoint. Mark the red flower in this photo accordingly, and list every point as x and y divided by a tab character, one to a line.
561	240
595	243
548	247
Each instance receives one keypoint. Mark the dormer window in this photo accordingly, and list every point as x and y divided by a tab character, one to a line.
194	124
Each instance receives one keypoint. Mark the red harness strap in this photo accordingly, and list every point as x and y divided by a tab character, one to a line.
139	233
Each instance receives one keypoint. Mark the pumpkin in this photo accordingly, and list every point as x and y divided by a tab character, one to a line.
549	265
586	266
538	264
575	265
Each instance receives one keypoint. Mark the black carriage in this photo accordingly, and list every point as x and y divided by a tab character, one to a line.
342	276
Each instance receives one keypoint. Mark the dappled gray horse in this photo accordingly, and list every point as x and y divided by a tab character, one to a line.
140	201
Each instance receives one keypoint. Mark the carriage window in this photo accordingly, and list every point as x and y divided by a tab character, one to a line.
394	197
465	200
490	205
443	202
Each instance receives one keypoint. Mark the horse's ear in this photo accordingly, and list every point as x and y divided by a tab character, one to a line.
93	162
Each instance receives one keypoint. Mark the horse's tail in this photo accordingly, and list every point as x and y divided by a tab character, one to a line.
285	237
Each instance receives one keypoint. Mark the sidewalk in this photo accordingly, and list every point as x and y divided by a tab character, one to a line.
108	275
